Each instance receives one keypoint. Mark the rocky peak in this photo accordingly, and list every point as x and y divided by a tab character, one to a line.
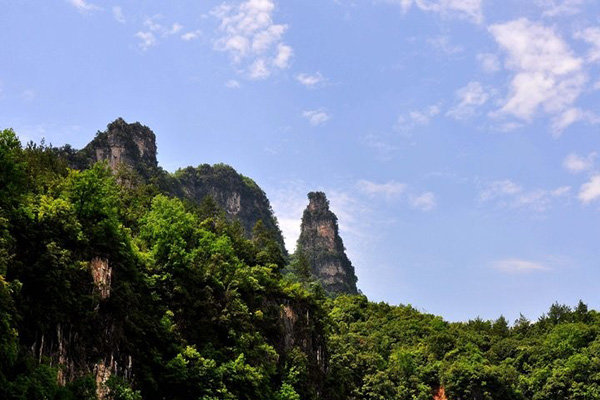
133	145
323	247
239	196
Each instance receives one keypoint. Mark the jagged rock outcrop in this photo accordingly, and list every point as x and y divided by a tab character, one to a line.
322	246
134	146
238	195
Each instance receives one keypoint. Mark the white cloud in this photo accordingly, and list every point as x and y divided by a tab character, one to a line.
154	26
175	28
554	8
389	189
259	69
499	188
147	40
384	149
251	38
443	45
193	35
489	62
470	97
118	15
316	117
469	9
310	81
394	190
233	84
517	266
590	191
417	117
284	54
507	194
566	119
575	163
83	6
592	37
547	75
424	202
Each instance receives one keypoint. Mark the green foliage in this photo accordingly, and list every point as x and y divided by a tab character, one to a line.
12	172
197	310
120	390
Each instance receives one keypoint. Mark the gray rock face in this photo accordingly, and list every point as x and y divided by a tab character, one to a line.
322	245
134	146
238	195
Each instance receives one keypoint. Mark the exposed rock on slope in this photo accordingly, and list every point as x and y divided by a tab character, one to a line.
134	146
322	245
238	195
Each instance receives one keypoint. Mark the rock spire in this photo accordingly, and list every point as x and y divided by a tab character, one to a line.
322	246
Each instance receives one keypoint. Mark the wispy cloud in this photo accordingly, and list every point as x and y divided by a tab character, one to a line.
394	190
83	6
574	163
233	84
311	81
470	98
147	40
154	29
252	39
547	76
424	201
510	195
192	35
389	189
118	15
384	149
415	118
443	45
489	62
518	266
592	37
316	117
468	9
590	191
554	8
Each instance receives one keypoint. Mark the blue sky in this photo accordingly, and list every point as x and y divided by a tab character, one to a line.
456	139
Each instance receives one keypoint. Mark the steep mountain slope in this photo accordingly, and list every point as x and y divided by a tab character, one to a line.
134	146
322	245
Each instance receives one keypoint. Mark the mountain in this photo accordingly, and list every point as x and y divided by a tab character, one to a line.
323	247
133	146
110	289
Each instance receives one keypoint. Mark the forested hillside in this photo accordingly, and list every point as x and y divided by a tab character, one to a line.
112	288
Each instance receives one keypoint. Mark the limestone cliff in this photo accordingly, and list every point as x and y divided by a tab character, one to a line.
134	146
238	195
322	246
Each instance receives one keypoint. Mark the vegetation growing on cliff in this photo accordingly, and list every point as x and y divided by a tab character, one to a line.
124	292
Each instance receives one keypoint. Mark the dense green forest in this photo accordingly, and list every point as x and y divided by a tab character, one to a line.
110	288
